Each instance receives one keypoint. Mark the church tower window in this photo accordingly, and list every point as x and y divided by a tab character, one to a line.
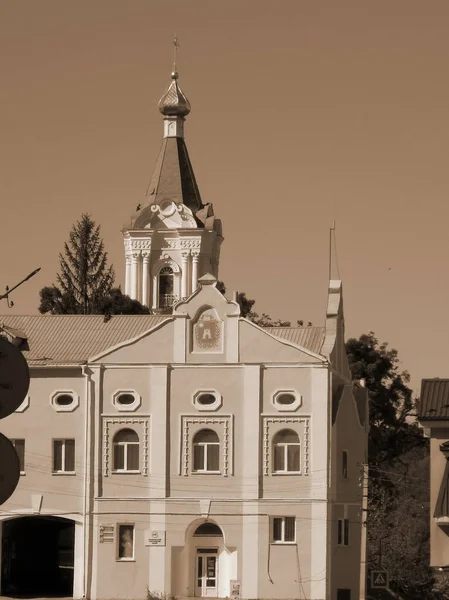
166	287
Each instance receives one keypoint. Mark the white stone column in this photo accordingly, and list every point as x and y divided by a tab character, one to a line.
155	292
145	278
195	258
134	274
184	274
127	274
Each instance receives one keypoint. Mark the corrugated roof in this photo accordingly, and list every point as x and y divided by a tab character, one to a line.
434	399
72	339
311	338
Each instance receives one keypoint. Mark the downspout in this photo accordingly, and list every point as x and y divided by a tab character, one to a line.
86	492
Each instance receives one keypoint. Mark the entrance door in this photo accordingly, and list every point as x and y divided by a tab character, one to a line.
206	573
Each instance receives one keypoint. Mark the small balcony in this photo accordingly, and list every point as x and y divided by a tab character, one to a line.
166	302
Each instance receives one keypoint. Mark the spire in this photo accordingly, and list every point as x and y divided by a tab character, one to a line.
173	179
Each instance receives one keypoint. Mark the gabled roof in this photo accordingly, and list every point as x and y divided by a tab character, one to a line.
434	399
73	339
311	338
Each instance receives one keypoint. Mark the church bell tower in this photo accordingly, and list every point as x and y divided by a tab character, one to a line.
173	238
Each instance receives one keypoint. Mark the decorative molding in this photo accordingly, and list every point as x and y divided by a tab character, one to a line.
107	446
179	243
106	533
126	407
287	407
141	244
67	407
304	441
227	441
25	404
165	261
207	407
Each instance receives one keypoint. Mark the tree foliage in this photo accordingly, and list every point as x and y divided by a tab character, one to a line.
246	310
85	281
398	486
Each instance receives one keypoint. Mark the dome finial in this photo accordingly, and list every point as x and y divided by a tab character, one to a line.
174	103
175	43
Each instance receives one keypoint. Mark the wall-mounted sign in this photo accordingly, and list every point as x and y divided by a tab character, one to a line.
155	538
379	580
235	588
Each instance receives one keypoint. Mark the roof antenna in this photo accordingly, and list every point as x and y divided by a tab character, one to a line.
8	290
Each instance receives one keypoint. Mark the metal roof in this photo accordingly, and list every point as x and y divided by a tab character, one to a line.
72	339
434	399
311	338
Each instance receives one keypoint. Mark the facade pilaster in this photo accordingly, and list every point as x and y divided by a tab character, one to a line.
184	273
145	279
134	274
195	259
127	274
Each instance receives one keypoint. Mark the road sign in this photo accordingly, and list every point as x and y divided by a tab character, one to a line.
14	378
379	580
14	384
9	469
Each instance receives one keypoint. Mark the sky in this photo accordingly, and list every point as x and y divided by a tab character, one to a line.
303	113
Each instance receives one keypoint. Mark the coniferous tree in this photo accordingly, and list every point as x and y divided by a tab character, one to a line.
85	277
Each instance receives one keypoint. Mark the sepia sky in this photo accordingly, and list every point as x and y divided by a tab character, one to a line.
302	112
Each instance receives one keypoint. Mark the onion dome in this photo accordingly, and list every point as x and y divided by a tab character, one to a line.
173	103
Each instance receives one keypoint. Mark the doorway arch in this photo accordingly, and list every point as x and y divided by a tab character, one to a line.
38	556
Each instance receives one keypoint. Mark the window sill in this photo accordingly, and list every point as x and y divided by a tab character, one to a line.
273	543
125	560
63	473
283	473
120	472
22	473
206	473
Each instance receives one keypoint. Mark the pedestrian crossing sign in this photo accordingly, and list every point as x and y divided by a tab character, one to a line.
379	580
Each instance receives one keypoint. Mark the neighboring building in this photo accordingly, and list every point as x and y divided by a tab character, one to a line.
433	415
189	451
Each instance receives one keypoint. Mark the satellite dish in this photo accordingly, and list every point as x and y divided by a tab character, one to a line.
9	469
14	378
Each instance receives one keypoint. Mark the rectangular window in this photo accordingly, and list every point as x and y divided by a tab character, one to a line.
125	542
343	532
19	445
284	529
343	594
344	464
63	456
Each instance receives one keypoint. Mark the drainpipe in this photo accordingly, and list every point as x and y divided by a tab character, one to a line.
86	492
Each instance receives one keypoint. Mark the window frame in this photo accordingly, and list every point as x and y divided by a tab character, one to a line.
343	532
282	540
125	453
205	445
213	407
63	471
21	463
119	558
68	407
126	407
287	407
285	445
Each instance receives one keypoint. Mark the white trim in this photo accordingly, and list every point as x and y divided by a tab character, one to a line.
267	441
287	407
126	407
227	441
64	408
143	445
207	407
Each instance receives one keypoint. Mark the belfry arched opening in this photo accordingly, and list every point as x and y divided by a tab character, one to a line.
37	557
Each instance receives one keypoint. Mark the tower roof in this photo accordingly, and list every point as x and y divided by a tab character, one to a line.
173	179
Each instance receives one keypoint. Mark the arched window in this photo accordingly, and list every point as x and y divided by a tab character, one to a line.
208	529
126	451
286	452
166	296
206	452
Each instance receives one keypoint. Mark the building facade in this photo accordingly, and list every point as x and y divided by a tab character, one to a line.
433	415
187	452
